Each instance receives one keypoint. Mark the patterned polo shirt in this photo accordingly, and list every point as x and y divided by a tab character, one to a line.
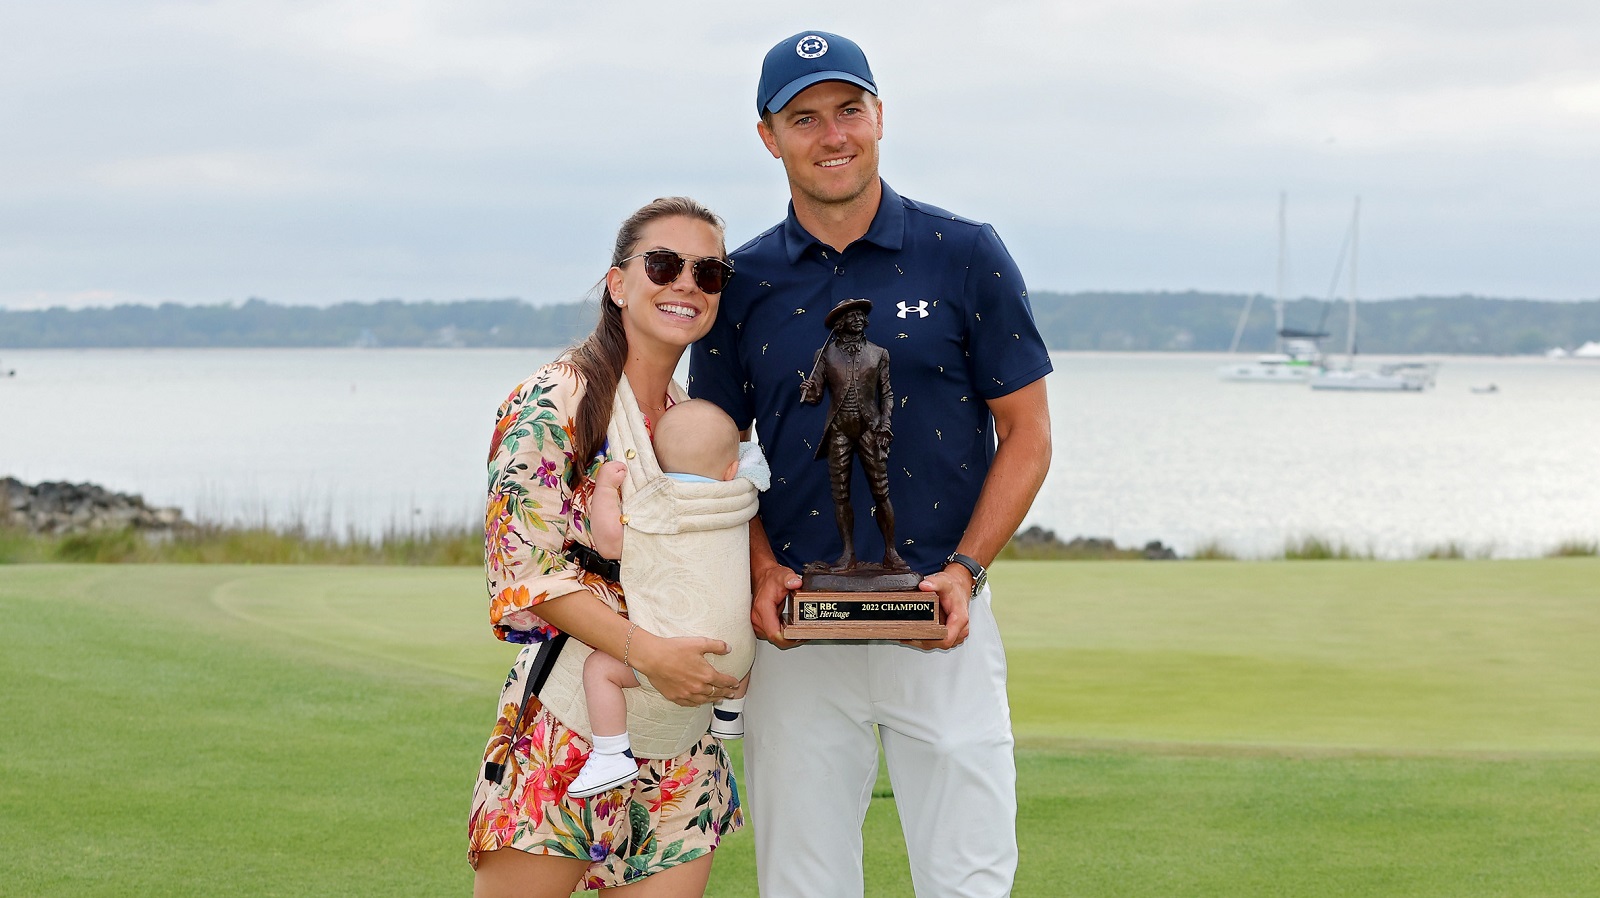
948	304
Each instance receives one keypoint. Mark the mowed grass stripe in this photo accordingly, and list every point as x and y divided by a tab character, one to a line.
153	747
1462	656
1404	656
260	731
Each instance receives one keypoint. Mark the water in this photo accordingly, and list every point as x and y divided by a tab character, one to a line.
1156	447
1147	446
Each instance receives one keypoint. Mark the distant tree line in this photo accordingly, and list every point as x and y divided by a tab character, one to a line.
258	323
1206	322
1074	321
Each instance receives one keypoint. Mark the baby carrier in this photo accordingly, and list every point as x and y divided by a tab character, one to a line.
686	572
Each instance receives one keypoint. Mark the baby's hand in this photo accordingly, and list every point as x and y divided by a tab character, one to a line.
611	475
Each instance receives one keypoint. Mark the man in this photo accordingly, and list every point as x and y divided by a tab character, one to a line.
856	373
971	447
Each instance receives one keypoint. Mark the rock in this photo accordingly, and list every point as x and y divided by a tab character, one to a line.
1037	542
67	509
1037	537
1155	551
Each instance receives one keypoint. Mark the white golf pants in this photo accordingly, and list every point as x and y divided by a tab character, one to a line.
814	717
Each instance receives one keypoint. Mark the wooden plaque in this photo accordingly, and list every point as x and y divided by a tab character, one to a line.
817	614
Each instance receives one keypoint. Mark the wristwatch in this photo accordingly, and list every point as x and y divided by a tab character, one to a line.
980	576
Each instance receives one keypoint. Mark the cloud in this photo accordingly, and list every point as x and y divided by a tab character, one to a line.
318	151
234	173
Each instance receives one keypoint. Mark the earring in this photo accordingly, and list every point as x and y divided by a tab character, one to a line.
619	302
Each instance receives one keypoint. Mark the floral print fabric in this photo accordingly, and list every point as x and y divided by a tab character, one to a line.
679	808
676	811
533	512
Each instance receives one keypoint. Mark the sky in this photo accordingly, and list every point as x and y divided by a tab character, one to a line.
316	152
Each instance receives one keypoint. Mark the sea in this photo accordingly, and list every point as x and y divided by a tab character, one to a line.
1147	446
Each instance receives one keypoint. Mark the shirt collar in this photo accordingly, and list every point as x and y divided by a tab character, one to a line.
887	230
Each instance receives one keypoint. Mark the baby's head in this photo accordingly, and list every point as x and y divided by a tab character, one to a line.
697	437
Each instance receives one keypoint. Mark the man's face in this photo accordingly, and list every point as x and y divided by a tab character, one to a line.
828	139
853	323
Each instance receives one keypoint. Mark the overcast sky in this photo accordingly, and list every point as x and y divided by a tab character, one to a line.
313	152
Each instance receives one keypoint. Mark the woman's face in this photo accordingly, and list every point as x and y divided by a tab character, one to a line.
669	316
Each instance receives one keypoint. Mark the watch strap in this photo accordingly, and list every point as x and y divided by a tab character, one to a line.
980	575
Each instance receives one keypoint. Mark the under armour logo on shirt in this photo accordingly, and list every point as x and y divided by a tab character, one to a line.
921	308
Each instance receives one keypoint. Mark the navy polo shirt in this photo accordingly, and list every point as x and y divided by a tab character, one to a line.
948	304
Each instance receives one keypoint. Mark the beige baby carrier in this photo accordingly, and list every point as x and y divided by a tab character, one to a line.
686	571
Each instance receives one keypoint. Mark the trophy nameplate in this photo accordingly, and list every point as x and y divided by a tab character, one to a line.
865	603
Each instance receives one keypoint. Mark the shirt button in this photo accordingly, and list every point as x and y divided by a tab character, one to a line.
838	269
623	519
629	454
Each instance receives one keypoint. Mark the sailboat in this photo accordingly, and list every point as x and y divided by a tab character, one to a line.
1398	377
1299	353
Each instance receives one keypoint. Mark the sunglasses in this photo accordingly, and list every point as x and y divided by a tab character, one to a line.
662	267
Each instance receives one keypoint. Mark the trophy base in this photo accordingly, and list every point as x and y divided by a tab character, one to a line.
819	614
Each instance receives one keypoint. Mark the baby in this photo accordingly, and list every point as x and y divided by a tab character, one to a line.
695	441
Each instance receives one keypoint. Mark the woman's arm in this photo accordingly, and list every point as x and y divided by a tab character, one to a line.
529	504
676	666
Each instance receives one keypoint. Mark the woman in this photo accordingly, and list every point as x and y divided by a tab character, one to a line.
655	836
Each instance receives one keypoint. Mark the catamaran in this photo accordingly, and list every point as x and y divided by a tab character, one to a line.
1299	353
1397	377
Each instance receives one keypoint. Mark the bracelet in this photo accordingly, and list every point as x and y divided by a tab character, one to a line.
627	645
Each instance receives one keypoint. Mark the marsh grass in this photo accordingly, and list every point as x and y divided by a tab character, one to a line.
218	544
1575	548
1213	550
453	545
1315	548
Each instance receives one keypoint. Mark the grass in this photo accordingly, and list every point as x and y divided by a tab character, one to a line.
216	544
1229	729
1213	550
459	546
1576	548
1315	548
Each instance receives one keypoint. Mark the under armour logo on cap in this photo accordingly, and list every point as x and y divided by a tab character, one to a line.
811	46
921	308
806	58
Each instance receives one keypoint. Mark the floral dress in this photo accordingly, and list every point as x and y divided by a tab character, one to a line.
679	808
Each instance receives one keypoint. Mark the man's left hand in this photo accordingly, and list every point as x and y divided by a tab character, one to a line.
954	588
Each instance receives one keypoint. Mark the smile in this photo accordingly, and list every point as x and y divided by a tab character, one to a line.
833	163
685	312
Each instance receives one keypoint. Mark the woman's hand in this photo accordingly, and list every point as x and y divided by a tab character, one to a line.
678	669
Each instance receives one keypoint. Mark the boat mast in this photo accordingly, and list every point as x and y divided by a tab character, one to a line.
1355	249
1283	261
1249	301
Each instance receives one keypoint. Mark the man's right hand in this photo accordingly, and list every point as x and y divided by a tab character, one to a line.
770	587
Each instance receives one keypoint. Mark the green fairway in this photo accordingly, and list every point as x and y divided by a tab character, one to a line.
1217	729
1423	656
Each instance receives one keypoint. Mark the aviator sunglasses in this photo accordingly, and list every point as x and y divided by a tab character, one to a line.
662	267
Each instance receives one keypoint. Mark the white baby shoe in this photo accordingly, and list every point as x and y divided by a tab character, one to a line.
602	773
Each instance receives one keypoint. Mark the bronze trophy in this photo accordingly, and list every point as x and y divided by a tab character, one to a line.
851	599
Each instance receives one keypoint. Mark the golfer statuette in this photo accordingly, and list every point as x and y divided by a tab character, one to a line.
851	598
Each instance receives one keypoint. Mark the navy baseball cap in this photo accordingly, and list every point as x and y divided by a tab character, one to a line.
808	58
